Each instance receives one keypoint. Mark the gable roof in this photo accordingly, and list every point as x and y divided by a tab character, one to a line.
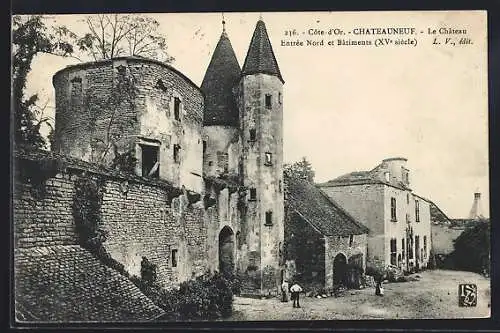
319	210
260	56
66	283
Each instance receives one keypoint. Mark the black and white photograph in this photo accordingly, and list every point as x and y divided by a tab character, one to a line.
250	166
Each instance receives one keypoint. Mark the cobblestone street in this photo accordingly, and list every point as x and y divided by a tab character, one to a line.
434	296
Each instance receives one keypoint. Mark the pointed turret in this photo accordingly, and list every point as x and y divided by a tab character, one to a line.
260	57
222	74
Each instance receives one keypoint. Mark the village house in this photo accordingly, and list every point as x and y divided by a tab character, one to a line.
321	239
398	219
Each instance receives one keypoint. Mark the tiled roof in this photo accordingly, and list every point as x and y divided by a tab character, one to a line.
437	214
374	176
67	284
260	57
319	210
221	76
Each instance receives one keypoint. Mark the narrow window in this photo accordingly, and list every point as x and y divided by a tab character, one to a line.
425	247
268	159
417	211
393	209
394	251
269	218
279	98
253	194
252	134
177	108
351	240
403	247
410	248
238	240
407	198
174	258
204	146
280	186
177	154
417	247
150	162
268	101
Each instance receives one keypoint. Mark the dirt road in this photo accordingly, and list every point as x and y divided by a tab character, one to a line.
435	295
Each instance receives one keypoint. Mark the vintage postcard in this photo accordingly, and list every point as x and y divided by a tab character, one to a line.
250	166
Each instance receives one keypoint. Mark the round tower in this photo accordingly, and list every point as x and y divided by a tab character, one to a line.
259	97
220	118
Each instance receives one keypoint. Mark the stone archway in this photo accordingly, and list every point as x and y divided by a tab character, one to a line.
226	250
339	269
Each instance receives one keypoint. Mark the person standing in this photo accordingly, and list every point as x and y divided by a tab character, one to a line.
295	289
284	291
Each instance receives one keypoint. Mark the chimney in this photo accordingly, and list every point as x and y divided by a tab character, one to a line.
476	211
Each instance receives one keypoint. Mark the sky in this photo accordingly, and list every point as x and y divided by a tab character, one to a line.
347	108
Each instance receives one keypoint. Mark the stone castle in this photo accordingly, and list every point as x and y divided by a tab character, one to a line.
222	143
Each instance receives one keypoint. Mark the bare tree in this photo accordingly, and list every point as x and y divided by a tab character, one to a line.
114	35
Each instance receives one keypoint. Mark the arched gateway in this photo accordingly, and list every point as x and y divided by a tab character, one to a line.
226	250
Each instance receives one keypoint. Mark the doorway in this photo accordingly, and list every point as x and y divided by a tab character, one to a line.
339	269
226	250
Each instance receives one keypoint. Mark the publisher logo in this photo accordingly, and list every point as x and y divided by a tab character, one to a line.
467	295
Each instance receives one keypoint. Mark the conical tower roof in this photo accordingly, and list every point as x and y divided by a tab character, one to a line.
260	57
221	76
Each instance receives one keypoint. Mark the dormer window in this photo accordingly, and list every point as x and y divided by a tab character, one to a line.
386	176
268	101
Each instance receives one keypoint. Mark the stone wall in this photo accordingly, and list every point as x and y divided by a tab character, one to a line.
144	218
121	105
366	204
305	246
335	245
43	216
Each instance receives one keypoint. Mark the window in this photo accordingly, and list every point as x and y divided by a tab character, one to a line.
238	240
410	248
279	98
177	108
269	218
177	157
280	186
351	240
407	198
268	101
223	161
160	85
417	247
174	258
425	247
417	211
253	194
252	134
394	252
393	209
268	159
150	162
403	248
204	146
210	163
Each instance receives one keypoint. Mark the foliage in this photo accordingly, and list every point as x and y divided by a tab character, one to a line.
87	215
121	97
472	249
208	296
114	35
148	271
30	37
124	162
300	170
